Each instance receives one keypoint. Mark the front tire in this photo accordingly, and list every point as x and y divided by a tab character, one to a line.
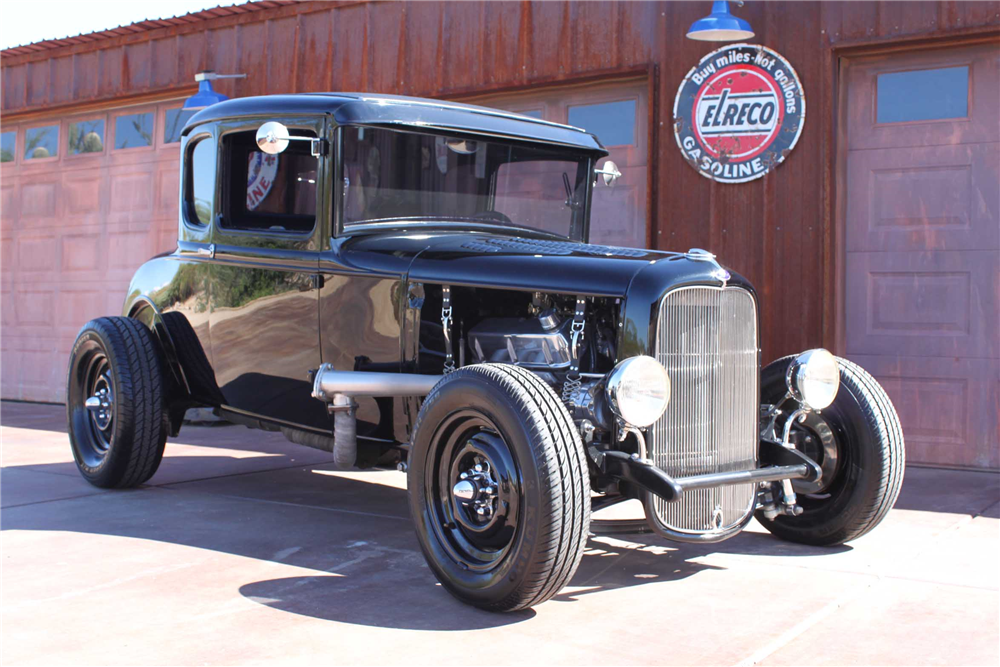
858	441
118	440
499	488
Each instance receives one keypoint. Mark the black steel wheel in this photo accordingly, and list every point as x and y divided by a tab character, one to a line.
499	488
115	403
858	443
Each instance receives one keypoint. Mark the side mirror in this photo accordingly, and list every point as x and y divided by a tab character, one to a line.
609	171
272	137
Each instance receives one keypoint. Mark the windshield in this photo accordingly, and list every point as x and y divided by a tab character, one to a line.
393	175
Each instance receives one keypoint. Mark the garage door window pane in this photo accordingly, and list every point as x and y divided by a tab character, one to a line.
534	113
41	142
176	119
927	94
201	182
86	136
8	141
612	122
134	130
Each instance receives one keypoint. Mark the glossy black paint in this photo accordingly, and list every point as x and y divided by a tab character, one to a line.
244	316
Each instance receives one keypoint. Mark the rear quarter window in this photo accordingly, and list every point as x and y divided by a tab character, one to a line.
200	181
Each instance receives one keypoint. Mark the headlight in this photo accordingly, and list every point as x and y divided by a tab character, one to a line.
638	390
813	379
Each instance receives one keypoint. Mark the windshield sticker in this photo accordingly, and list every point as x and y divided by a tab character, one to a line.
739	113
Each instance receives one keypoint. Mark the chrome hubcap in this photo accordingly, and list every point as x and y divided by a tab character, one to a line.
476	492
102	404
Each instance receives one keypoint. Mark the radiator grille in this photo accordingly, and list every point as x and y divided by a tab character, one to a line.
706	338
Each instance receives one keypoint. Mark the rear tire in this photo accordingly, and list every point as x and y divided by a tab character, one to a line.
120	443
499	427
870	457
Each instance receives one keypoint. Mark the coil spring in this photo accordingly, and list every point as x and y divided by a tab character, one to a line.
570	386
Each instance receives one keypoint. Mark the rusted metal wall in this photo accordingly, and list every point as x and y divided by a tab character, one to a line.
776	230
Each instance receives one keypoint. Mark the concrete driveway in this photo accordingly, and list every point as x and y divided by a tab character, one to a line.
245	549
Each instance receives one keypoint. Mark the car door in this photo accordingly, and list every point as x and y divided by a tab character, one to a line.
264	286
185	293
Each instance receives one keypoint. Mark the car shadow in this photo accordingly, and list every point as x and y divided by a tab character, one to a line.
349	534
352	535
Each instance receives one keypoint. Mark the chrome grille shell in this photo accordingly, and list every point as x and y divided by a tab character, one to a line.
707	339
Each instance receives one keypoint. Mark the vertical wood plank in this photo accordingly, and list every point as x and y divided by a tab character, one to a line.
279	68
164	63
315	52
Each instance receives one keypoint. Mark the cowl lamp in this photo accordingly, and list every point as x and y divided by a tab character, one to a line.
720	26
206	95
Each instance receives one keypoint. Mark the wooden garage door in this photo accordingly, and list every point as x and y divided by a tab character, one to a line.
86	199
617	113
922	260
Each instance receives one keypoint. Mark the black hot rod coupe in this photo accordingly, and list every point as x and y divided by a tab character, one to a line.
408	283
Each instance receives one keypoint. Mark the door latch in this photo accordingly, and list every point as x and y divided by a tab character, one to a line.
207	252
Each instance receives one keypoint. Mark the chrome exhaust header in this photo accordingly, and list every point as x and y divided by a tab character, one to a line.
338	390
330	382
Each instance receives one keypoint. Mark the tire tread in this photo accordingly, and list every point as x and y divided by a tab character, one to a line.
141	429
880	417
562	470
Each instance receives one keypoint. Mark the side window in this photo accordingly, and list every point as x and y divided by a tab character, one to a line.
41	142
86	136
612	122
8	143
269	192
200	185
923	94
134	130
174	121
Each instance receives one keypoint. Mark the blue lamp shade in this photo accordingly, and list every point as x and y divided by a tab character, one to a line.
720	26
206	96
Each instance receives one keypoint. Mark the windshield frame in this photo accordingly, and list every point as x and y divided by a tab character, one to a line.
580	220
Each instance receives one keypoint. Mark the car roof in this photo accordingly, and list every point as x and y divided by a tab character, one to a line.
371	109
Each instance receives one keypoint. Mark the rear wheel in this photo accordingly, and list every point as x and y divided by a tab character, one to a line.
115	403
499	488
858	443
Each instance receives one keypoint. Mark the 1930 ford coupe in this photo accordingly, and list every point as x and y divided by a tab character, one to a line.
408	283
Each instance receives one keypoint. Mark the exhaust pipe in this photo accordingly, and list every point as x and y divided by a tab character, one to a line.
330	382
338	388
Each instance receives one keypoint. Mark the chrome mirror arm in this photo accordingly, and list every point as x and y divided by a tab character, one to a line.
610	172
315	145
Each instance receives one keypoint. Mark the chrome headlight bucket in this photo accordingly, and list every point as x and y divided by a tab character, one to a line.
638	390
813	379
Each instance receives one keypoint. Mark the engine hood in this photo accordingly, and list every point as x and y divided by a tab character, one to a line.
514	262
640	277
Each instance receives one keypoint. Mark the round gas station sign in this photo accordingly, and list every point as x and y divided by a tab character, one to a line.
739	113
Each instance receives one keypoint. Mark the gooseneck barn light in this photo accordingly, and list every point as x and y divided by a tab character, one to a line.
206	95
720	26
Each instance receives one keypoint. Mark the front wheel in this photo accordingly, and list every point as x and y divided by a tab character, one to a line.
499	487
858	443
115	403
